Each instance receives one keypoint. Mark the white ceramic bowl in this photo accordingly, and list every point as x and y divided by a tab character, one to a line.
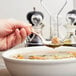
27	67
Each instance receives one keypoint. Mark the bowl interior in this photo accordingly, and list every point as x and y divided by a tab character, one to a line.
26	51
29	51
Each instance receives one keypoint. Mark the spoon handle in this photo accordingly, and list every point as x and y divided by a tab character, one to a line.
39	35
73	45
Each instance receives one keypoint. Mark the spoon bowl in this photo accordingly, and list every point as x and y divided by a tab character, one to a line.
48	43
53	45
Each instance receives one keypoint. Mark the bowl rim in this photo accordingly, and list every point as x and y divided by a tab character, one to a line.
35	61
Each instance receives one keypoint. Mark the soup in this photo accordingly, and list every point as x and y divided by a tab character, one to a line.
52	55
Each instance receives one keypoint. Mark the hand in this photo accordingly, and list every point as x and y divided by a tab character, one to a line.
12	32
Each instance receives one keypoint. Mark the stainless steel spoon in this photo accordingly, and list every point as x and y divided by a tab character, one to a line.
47	43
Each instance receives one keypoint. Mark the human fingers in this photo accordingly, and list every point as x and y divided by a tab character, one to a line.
3	45
28	29
15	24
13	39
18	37
23	34
7	42
10	40
21	24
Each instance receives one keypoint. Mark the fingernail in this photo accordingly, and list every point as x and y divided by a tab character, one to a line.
17	30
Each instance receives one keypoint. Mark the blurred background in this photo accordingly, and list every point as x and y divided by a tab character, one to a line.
18	9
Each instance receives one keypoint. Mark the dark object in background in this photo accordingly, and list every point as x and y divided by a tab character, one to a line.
72	12
30	14
33	39
72	16
75	23
36	41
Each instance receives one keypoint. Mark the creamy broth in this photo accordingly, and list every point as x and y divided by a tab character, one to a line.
51	55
